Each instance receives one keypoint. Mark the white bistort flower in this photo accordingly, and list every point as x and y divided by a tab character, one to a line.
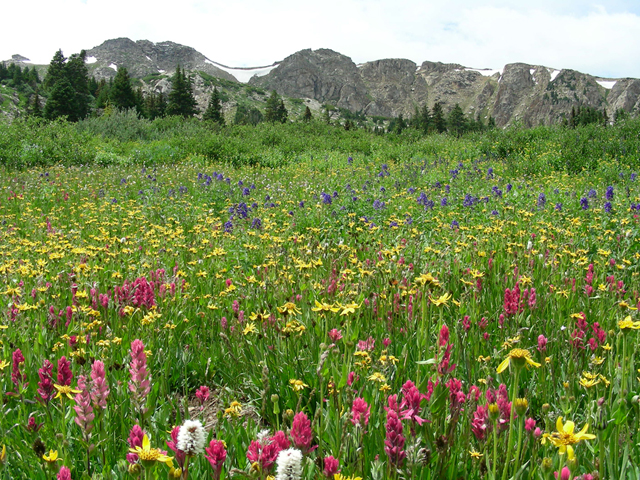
191	438
289	464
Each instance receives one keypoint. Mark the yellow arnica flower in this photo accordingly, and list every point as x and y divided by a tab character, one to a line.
297	385
65	390
52	457
234	410
148	454
3	454
289	308
627	324
339	476
442	300
520	357
564	438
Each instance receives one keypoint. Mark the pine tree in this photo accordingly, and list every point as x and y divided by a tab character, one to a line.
456	122
61	101
35	105
181	99
275	111
55	71
214	109
307	117
78	76
121	94
437	116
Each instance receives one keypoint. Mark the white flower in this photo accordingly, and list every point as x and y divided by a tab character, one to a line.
191	437
289	464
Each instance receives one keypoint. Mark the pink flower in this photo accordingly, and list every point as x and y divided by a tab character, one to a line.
360	412
100	388
411	398
480	425
335	335
529	424
202	394
443	338
84	410
136	436
216	454
173	445
542	343
64	372
301	432
351	378
565	474
139	385
330	466
45	385
366	345
394	440
17	377
64	474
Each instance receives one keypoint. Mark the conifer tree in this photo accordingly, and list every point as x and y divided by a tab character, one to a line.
456	122
121	94
181	99
275	110
437	115
307	117
56	70
214	109
61	101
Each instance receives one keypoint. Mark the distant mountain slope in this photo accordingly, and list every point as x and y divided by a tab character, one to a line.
530	94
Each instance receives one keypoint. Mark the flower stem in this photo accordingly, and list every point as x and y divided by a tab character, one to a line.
514	393
519	450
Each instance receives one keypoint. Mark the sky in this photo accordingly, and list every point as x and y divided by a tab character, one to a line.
600	38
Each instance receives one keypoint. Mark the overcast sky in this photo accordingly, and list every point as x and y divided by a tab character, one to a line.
601	38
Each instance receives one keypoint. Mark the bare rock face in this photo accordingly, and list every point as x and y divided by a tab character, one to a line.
323	75
143	58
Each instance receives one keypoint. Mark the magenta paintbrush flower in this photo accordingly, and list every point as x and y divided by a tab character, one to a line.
64	474
99	388
140	384
360	412
84	410
216	454
64	372
45	385
394	441
301	432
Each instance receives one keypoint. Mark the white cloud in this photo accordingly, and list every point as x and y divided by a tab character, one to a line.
598	38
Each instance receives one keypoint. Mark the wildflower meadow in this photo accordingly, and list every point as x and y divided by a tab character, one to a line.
339	316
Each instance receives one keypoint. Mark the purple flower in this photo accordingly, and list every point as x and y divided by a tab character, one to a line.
454	224
592	193
609	193
559	207
607	207
584	203
542	200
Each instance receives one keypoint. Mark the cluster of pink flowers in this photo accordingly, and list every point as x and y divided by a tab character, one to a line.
394	439
580	333
140	384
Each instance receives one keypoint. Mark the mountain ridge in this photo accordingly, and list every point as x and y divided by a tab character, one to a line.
519	92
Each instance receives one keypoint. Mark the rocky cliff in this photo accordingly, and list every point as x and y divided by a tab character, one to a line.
530	94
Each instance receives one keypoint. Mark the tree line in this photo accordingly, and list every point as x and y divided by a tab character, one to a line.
71	93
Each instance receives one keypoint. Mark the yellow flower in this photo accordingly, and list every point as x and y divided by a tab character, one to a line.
377	377
339	476
234	410
65	390
52	457
3	454
4	364
520	357
297	385
564	438
627	325
325	307
442	300
289	308
349	308
475	454
148	454
250	328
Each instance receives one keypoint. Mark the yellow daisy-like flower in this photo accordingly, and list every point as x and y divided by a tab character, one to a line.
4	364
475	454
349	308
627	325
323	307
377	377
442	300
65	390
234	410
339	476
52	457
289	308
148	454
520	357
564	438
250	328
297	385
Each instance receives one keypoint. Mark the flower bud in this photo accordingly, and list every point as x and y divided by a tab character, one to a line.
546	407
494	411
521	406
135	469
547	465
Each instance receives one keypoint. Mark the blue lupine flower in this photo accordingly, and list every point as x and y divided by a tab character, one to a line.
443	202
228	226
542	200
584	203
246	192
326	198
609	193
607	207
257	223
509	187
494	212
592	193
559	207
454	224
